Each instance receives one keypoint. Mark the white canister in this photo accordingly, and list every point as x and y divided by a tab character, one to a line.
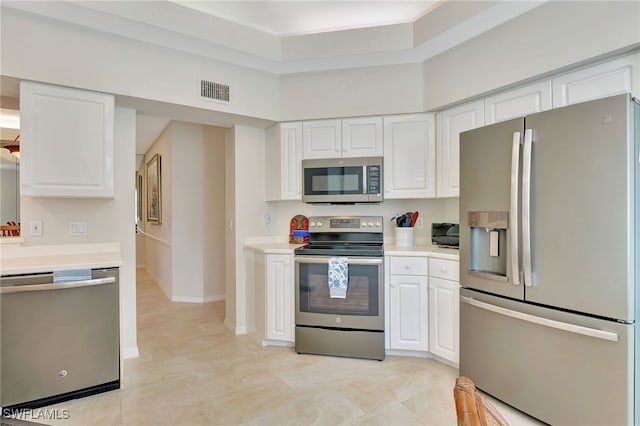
404	236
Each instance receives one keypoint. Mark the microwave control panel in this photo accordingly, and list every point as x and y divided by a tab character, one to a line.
373	180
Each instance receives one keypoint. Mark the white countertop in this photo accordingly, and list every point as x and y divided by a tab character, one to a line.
422	250
281	247
272	247
32	259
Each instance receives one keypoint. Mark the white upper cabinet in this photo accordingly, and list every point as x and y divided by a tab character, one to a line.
516	103
409	156
66	142
353	137
322	139
284	162
451	123
606	79
362	137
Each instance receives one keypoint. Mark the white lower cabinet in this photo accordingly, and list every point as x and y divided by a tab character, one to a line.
274	298
408	304
444	303
423	306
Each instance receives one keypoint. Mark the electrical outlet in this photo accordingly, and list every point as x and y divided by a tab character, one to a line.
419	223
35	228
267	219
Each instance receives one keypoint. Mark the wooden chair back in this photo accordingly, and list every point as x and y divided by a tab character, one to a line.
10	230
472	408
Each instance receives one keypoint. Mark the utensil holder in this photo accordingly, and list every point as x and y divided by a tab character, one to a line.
404	236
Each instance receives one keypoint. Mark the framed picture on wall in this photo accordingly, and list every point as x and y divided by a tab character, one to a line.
154	190
139	189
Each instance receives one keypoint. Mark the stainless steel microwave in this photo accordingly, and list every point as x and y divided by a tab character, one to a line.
342	180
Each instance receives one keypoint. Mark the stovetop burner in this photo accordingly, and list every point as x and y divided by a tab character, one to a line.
341	250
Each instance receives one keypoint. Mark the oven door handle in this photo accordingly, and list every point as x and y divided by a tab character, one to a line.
350	260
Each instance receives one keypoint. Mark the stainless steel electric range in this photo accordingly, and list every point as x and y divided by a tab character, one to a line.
352	326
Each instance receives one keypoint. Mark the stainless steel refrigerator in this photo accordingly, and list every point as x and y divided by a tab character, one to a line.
549	262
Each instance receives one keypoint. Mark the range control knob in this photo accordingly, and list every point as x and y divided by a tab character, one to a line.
378	224
312	224
319	224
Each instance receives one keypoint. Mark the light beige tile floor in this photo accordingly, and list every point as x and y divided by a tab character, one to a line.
193	371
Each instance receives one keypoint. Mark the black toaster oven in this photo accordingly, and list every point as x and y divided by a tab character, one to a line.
445	235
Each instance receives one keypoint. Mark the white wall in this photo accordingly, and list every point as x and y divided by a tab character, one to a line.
198	212
546	39
213	159
352	92
230	241
431	210
158	241
75	56
244	206
185	253
108	220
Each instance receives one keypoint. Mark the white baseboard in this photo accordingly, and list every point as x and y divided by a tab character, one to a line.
187	299
280	343
215	298
131	352
235	330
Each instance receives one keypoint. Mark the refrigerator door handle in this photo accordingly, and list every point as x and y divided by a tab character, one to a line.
526	208
513	213
559	325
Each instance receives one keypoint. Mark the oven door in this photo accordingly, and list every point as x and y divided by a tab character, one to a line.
363	307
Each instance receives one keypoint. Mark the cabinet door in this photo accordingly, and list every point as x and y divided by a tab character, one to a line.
516	103
362	137
610	78
280	293
451	123
322	139
408	317
409	156
444	318
66	142
283	162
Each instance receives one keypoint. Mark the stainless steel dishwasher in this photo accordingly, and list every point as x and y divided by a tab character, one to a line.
59	340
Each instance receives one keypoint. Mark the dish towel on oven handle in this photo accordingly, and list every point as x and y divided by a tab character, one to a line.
338	277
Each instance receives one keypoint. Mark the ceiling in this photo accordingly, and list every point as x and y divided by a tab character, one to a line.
285	18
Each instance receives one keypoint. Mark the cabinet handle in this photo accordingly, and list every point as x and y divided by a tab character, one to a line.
443	269
407	267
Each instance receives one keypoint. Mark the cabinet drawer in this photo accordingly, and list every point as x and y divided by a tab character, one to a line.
442	268
408	265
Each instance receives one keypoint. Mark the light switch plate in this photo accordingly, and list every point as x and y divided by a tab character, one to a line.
78	229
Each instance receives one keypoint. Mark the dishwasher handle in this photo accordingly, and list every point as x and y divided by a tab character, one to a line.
56	286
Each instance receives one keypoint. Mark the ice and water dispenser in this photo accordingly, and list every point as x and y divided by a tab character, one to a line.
488	244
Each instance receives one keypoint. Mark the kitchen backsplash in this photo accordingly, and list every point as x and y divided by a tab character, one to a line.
431	210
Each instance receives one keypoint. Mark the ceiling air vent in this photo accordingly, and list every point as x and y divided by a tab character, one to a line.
211	91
